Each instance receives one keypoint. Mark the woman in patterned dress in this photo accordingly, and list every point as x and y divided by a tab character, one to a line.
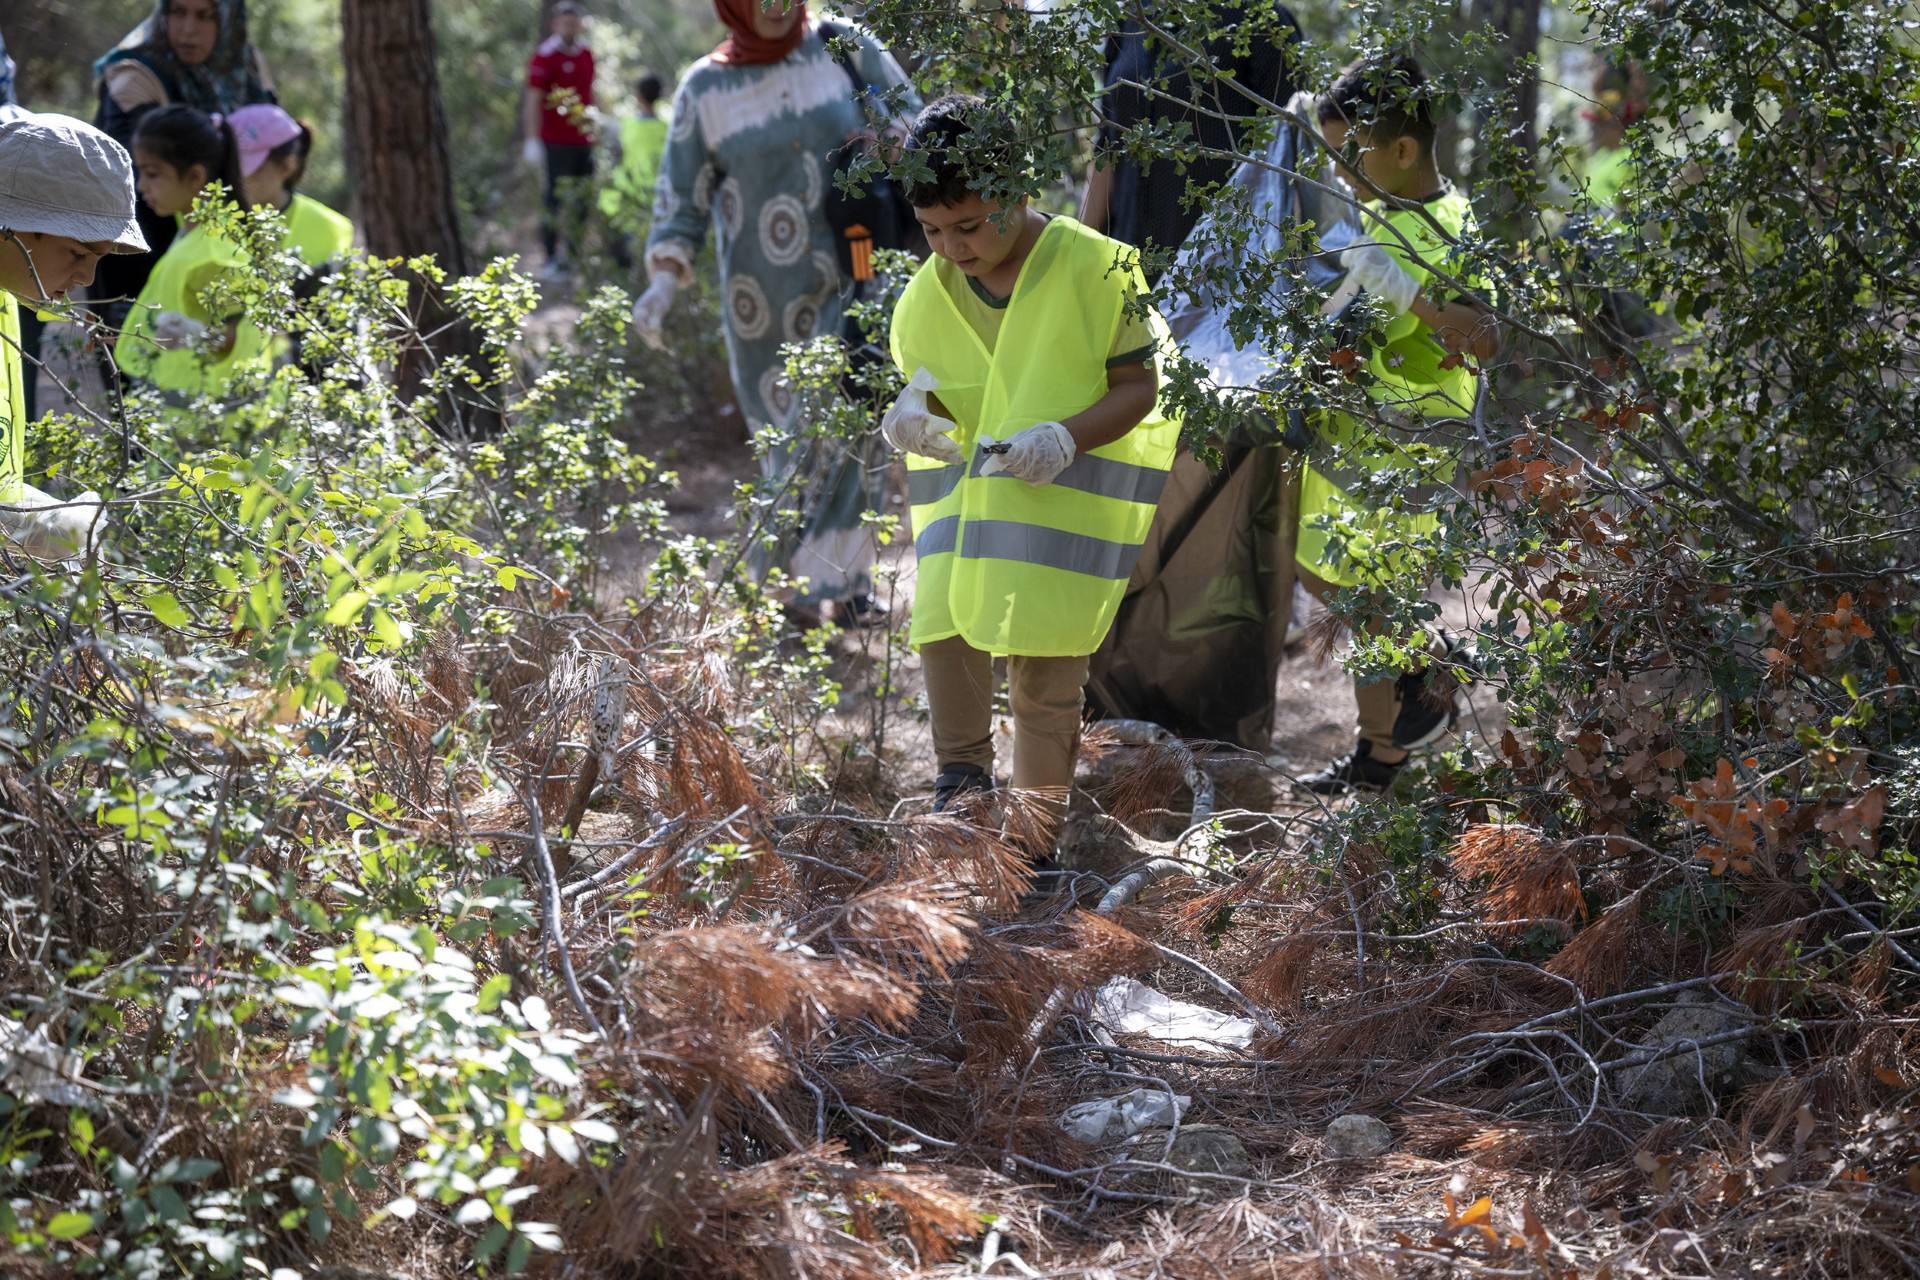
755	124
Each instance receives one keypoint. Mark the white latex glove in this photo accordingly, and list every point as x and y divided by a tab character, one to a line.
172	330
1370	266
650	308
1035	455
47	528
911	427
532	153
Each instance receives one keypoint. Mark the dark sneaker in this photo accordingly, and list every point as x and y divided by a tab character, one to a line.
957	780
1356	771
1430	697
862	613
1425	717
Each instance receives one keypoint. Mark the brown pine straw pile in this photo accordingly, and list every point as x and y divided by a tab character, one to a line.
828	1070
820	1048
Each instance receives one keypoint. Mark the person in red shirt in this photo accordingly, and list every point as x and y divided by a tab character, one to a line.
559	91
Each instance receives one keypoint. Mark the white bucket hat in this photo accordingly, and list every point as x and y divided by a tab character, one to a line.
61	177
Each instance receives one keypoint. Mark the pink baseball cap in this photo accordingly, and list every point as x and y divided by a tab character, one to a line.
258	129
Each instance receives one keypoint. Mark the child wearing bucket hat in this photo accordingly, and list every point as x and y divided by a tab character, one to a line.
66	201
273	159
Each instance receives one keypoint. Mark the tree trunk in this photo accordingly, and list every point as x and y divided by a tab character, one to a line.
1516	23
402	175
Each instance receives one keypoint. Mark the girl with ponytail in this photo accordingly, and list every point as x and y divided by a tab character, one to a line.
171	338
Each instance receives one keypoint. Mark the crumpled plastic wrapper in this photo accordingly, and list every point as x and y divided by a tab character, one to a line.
35	1069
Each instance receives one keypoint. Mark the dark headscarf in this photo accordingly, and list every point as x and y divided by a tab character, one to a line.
745	47
228	79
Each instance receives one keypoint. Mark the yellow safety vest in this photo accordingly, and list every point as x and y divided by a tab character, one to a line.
1015	568
13	404
1408	379
194	260
315	232
643	142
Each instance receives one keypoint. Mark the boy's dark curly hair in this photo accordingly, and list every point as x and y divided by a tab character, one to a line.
1386	96
939	137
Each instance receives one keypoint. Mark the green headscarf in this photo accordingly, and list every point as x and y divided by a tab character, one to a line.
229	78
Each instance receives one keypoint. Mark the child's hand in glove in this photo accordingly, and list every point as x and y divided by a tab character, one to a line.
172	330
911	427
1036	455
1372	268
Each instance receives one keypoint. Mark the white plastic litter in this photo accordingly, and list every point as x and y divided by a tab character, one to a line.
1123	1115
35	1069
1127	1007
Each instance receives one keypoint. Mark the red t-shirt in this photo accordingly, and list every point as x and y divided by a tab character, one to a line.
554	67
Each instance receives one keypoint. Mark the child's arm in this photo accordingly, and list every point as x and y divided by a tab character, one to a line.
1461	326
1131	389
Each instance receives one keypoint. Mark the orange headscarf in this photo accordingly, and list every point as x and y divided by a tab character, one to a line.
745	47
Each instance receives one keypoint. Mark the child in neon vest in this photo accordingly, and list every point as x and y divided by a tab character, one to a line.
66	201
170	338
1377	123
273	149
1036	454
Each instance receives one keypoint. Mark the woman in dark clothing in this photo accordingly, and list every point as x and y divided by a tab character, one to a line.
191	53
1146	205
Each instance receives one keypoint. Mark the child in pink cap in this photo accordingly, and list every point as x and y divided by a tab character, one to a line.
273	159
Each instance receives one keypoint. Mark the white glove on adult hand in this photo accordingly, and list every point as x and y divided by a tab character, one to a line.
911	427
532	153
1036	455
1371	267
650	308
172	330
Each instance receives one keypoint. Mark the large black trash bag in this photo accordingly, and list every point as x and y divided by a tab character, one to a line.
1197	643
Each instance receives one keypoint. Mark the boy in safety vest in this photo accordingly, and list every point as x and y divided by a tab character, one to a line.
1036	451
1378	125
66	201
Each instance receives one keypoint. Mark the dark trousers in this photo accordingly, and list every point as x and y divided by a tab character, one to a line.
569	179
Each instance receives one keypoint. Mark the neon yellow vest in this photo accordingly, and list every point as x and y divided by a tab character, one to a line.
1015	568
13	404
643	141
1407	378
315	232
194	260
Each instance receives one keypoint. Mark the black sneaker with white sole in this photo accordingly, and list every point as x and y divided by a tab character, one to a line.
1355	771
1430	697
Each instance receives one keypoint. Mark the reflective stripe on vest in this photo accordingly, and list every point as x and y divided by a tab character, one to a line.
1016	568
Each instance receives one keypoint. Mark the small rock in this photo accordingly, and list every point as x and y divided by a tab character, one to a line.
1671	1086
1123	1115
1354	1135
1199	1148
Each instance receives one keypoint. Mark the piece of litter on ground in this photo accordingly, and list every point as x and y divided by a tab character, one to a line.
1123	1115
1125	1006
36	1069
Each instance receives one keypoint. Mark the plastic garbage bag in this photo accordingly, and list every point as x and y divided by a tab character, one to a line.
1122	1116
1125	1006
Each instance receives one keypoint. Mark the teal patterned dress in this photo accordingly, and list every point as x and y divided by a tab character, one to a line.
748	156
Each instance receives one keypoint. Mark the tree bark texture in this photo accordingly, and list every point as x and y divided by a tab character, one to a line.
1517	24
402	172
397	132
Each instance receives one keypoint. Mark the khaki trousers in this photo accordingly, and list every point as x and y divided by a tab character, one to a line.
1046	697
1378	701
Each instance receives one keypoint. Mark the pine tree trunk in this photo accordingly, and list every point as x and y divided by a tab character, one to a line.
1517	24
402	175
